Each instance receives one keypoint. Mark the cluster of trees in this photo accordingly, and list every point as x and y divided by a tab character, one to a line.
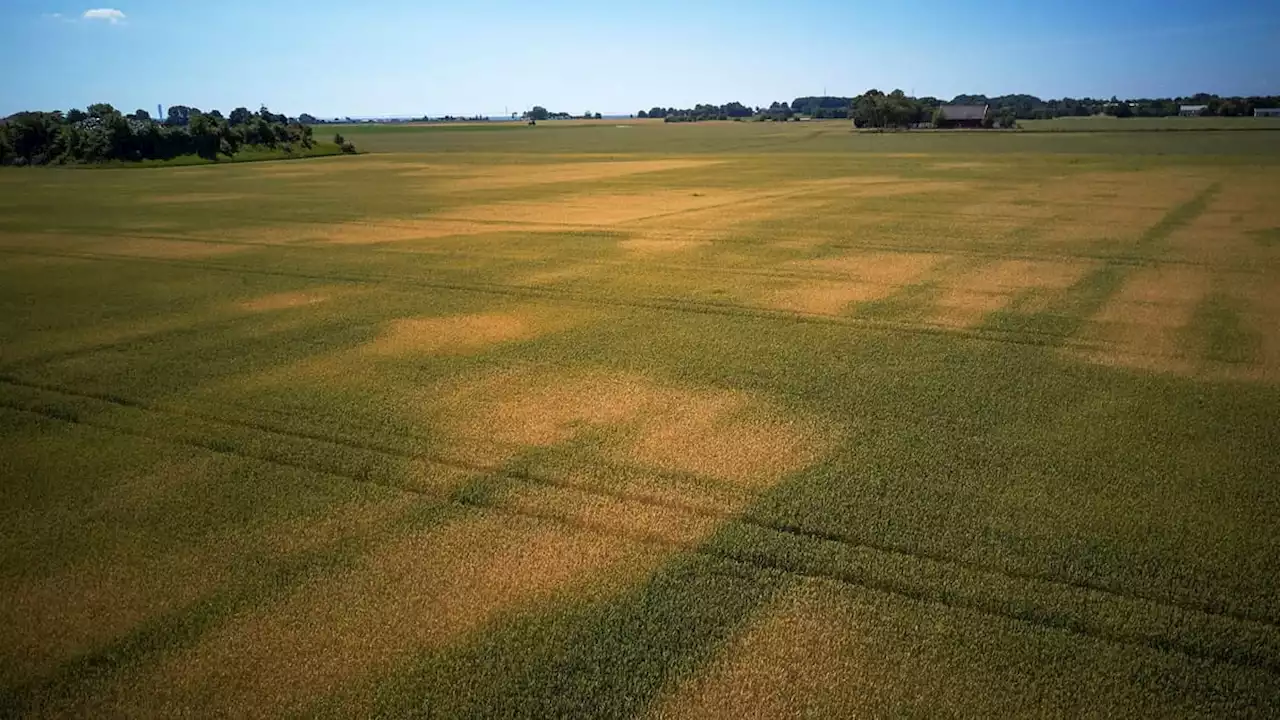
101	133
729	111
540	113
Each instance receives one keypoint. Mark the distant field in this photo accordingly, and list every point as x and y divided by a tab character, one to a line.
735	420
1093	124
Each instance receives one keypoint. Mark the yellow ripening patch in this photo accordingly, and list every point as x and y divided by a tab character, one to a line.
194	197
799	657
46	621
491	177
650	522
826	297
662	243
879	187
283	301
1226	234
1259	294
841	281
962	165
1142	326
426	591
373	232
1087	223
439	336
967	299
352	519
161	248
1001	215
878	268
718	434
599	210
555	276
1150	189
460	334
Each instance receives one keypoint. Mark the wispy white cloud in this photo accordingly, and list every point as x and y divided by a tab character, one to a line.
110	15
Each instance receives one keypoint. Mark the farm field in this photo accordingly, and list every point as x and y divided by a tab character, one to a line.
646	420
1143	124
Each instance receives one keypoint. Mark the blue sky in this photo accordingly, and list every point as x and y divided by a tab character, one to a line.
400	57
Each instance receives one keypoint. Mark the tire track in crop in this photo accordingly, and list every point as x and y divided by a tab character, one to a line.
1027	335
640	498
796	533
994	250
1243	655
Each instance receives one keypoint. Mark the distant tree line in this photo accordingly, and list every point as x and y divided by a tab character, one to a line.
897	109
538	113
1030	107
100	133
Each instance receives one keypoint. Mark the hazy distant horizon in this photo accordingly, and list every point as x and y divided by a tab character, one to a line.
377	58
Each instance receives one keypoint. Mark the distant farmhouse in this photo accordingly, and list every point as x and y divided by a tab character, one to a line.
1267	112
963	116
1192	110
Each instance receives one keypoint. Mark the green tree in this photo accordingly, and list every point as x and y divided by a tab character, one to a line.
180	115
869	109
240	116
538	113
101	110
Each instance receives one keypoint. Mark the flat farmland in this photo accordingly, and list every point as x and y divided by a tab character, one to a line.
647	420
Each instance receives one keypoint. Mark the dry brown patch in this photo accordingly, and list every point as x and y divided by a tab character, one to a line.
429	336
1142	326
826	297
716	434
365	233
967	299
598	210
851	279
425	591
456	333
798	658
283	301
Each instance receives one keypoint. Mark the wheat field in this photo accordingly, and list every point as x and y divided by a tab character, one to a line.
643	420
